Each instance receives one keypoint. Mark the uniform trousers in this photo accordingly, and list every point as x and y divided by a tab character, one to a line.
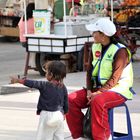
100	106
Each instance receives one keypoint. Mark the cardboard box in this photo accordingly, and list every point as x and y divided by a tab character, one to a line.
9	31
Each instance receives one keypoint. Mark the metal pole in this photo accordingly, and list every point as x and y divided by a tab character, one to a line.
73	6
25	17
64	18
112	10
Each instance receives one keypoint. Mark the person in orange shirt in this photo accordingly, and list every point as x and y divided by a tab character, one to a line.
30	24
30	30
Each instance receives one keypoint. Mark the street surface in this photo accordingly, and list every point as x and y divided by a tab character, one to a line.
12	60
18	120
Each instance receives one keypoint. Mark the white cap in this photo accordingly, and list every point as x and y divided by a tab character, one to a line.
103	25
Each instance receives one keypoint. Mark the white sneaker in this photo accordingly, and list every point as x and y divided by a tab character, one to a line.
81	138
110	137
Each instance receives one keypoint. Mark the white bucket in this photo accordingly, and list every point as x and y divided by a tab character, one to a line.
42	22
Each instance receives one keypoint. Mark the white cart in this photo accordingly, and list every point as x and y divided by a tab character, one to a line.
53	46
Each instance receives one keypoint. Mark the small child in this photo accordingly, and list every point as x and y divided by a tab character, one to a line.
53	101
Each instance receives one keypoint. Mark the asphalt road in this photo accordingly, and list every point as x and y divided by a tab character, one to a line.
12	61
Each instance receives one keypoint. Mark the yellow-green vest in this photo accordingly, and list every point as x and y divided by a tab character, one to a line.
102	69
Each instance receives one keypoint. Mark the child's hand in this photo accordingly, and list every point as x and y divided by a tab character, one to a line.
14	80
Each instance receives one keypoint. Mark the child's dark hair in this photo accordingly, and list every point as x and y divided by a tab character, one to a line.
57	69
29	11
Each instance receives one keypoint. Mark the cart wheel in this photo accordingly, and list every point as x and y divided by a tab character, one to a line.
80	64
41	59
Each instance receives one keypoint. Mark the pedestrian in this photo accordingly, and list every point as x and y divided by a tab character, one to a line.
53	101
70	2
58	10
109	82
30	24
30	30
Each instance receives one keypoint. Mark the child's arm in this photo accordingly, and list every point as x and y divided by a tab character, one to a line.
29	83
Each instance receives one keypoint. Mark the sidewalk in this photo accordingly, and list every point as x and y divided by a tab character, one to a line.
18	119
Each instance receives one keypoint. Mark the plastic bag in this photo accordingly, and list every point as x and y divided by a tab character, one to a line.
87	124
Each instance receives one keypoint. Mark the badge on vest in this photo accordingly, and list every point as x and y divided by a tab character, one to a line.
98	54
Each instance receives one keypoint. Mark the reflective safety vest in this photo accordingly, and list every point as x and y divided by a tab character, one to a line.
102	69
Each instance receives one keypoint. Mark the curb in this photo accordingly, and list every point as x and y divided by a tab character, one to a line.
13	88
